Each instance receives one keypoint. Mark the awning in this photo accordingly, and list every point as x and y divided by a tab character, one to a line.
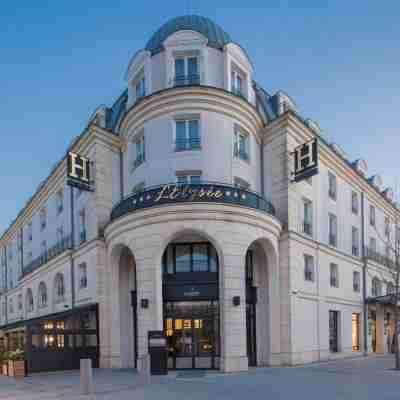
389	299
59	315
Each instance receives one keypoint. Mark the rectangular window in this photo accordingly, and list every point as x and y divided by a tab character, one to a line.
187	71
333	331
308	217
140	88
29	232
308	268
356	281
82	226
139	156
332	186
241	145
333	230
354	202
82	276
187	135
334	275
43	218
44	247
60	234
387	227
185	179
237	83
372	246
372	215
60	202
182	258
355	331
355	240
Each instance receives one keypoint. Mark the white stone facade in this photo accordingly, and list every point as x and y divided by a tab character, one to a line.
240	138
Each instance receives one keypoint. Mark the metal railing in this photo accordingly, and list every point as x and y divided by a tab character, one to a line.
306	228
60	247
187	144
203	192
373	255
187	80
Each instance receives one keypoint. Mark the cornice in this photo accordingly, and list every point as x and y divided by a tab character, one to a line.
55	181
187	99
299	131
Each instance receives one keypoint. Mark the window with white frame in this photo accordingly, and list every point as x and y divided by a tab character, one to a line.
241	183
11	306
355	241
376	287
59	288
356	281
354	202
82	226
238	82
43	247
186	70
309	267
19	301
140	87
390	288
139	156
188	177
241	144
308	217
43	219
187	134
60	201
332	186
333	241
42	295
29	232
82	269
334	275
372	215
29	300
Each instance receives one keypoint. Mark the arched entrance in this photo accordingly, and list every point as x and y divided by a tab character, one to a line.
258	303
124	309
190	269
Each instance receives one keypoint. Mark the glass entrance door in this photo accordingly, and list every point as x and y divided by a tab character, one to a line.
333	331
192	331
251	334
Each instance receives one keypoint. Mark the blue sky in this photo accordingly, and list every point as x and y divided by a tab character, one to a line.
59	60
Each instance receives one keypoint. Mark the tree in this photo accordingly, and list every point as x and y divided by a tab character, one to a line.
391	260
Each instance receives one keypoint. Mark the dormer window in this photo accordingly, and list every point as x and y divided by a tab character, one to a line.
237	83
186	71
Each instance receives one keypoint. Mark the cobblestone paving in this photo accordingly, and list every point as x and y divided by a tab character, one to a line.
364	379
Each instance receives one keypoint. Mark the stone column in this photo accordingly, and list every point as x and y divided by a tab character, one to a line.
233	318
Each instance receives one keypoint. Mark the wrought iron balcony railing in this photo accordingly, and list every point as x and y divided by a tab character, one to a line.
187	80
60	247
373	255
204	192
187	144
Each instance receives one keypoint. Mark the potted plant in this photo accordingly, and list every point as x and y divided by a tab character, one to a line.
16	364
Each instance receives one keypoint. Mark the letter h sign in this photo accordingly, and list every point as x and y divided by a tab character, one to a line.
305	160
78	171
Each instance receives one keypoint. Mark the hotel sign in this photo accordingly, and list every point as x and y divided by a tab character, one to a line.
78	172
305	160
191	193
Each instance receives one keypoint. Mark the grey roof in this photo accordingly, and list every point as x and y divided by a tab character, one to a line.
114	114
216	36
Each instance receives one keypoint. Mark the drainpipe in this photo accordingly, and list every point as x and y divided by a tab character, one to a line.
72	247
364	276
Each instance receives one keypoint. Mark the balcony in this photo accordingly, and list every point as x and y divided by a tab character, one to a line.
207	192
60	247
373	255
187	80
188	144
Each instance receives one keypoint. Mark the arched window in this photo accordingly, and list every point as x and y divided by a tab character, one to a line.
59	288
29	300
42	295
390	288
376	287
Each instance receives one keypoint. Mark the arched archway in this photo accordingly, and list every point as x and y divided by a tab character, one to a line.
261	298
191	312
123	308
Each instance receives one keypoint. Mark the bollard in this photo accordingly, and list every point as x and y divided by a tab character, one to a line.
86	376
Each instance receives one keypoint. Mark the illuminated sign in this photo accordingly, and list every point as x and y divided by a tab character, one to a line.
78	171
305	160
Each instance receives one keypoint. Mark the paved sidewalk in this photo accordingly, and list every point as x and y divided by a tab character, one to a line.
362	378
